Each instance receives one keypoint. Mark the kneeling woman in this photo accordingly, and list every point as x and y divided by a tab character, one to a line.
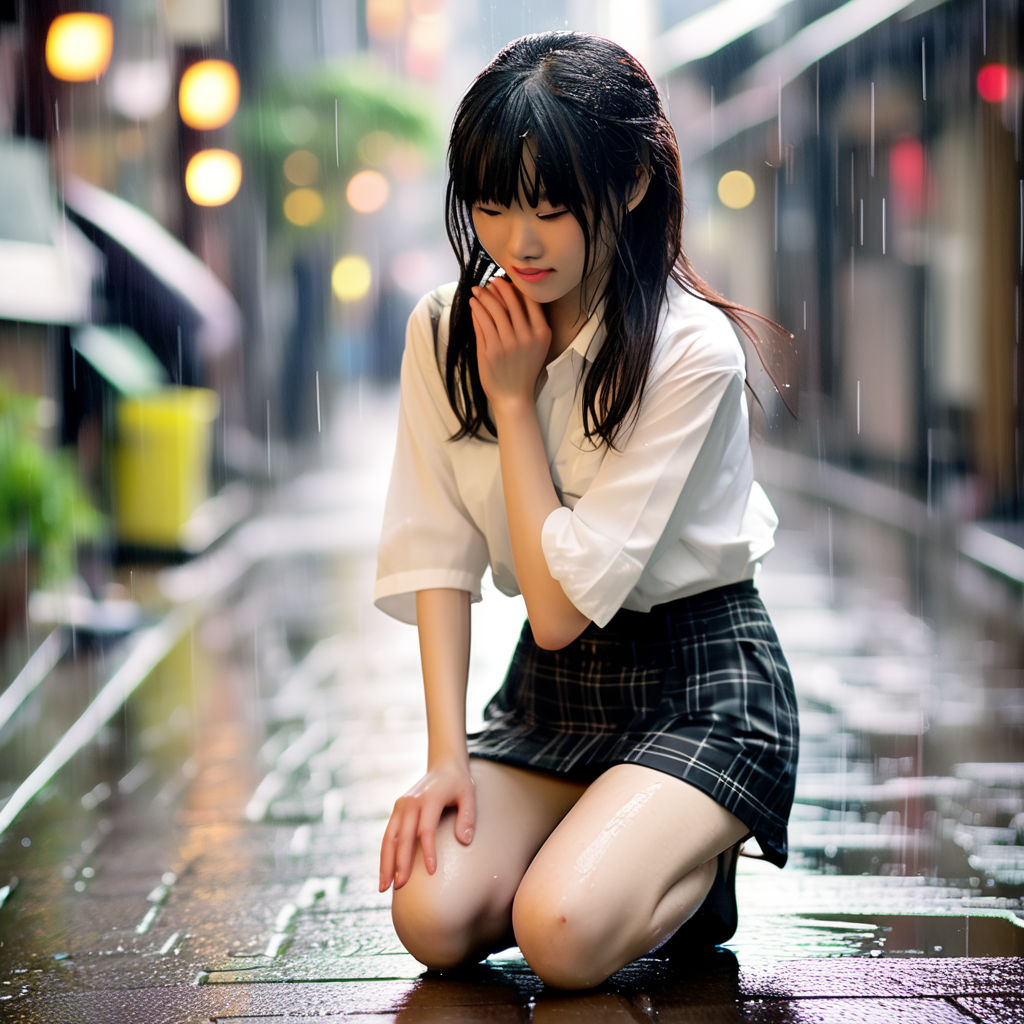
573	415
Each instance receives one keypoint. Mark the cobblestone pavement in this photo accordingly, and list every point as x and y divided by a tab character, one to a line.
210	852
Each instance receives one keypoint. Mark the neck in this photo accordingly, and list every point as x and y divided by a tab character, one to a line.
565	321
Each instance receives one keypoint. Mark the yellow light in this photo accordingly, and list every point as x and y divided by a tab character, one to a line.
304	206
213	177
208	94
385	18
367	192
79	46
736	189
301	167
351	278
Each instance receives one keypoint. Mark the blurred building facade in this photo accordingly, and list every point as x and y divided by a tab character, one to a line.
852	169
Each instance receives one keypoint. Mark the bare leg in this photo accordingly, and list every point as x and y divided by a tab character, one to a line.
464	910
626	867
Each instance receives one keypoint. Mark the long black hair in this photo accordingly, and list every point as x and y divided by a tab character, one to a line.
592	118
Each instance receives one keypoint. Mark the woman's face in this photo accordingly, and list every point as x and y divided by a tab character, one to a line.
541	248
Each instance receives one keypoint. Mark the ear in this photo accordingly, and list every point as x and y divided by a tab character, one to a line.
643	179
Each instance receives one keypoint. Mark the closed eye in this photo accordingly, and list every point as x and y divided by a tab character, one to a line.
552	215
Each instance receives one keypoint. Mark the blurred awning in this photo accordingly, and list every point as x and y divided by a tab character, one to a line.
154	284
46	266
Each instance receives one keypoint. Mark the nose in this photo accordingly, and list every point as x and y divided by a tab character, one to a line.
525	242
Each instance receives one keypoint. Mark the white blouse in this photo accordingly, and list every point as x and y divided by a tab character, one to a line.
673	511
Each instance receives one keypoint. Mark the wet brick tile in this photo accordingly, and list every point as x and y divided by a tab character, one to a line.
995	1009
884	978
849	1011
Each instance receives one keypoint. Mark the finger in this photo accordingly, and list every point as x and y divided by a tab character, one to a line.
465	817
513	301
492	303
485	328
427	835
405	848
387	854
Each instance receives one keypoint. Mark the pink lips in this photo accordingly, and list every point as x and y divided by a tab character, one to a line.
530	276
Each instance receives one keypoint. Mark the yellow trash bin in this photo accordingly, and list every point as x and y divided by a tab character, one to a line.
161	463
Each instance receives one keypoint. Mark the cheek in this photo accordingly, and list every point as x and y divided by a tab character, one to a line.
486	233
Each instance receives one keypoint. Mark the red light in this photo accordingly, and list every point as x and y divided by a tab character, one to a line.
994	83
908	175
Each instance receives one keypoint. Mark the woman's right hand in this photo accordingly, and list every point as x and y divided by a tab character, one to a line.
416	816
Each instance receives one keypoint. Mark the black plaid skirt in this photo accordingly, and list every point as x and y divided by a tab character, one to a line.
698	688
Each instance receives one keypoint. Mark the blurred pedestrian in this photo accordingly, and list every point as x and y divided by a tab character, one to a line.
574	416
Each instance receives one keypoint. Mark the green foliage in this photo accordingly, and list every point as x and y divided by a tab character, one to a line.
330	110
41	501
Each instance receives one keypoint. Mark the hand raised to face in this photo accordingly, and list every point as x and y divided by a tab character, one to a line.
512	341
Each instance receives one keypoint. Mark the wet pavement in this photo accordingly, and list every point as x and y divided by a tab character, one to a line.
199	804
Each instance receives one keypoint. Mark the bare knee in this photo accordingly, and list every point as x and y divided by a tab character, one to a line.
435	930
563	939
446	926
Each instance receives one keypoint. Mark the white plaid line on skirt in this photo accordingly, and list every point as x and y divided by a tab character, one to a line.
698	688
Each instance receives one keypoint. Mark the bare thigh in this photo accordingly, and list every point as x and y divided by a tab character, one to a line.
463	911
626	866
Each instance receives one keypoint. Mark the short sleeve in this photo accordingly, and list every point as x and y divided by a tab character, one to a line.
427	538
685	465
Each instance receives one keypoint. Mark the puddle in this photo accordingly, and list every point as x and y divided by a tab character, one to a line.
920	935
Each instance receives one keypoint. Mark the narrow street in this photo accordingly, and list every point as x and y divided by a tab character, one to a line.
208	850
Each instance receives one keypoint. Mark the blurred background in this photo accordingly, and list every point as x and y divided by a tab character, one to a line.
216	215
246	198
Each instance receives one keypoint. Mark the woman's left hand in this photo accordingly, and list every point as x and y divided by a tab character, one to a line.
512	341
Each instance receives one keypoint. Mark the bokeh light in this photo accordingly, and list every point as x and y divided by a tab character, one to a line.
994	83
367	191
351	278
385	18
736	189
213	177
304	206
208	94
79	46
301	168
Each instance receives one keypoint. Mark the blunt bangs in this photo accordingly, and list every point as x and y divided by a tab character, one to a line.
487	159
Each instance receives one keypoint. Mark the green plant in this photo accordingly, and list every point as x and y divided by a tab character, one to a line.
42	504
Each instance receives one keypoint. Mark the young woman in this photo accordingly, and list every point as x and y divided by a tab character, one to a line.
573	416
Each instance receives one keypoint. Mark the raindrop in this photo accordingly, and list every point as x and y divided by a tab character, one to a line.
872	129
337	150
858	406
26	842
883	225
817	99
318	423
780	119
924	80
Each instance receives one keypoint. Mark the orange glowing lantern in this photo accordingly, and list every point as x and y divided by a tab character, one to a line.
213	177
79	46
208	94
